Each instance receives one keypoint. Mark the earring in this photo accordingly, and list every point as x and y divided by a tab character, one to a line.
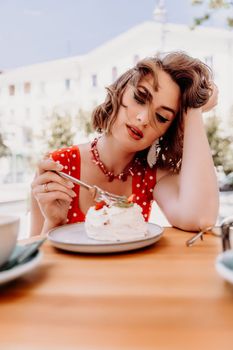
153	153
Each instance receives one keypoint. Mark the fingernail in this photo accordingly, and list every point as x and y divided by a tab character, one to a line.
59	166
70	184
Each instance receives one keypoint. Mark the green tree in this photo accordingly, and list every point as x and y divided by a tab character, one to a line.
212	6
83	121
4	150
60	132
220	144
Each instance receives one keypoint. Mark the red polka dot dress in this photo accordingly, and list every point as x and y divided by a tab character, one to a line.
143	183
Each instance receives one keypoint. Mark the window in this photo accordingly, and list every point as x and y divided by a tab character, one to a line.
67	84
114	74
27	87
94	80
11	90
27	134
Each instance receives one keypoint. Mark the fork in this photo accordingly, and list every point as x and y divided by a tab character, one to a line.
97	193
199	234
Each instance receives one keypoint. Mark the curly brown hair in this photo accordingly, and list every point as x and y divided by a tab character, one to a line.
190	74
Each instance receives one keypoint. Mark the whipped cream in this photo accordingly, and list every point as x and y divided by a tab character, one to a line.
116	223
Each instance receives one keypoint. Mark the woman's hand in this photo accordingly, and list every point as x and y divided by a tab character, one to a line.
213	100
52	192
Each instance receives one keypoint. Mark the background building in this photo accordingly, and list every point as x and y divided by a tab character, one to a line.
29	95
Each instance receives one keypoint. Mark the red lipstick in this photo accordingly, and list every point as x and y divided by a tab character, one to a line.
134	132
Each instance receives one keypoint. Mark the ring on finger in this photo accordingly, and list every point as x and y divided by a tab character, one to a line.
45	187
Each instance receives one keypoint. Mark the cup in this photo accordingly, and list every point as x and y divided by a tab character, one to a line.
9	227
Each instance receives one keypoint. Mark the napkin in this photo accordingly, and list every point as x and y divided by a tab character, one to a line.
22	254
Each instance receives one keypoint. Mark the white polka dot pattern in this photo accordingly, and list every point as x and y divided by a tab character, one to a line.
143	182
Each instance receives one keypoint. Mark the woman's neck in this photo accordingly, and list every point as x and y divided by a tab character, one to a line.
113	155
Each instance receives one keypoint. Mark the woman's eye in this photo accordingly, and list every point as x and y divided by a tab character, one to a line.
139	98
161	119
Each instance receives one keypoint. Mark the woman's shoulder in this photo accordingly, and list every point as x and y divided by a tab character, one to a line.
70	151
65	152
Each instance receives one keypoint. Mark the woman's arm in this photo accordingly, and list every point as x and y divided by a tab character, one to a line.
50	198
38	223
36	218
190	199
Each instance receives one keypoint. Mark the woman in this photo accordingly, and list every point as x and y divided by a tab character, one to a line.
153	144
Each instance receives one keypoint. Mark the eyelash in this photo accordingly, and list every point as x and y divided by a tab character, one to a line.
139	99
161	119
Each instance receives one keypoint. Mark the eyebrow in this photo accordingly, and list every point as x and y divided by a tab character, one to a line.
169	110
147	91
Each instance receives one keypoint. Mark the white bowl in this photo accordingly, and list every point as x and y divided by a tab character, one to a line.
9	227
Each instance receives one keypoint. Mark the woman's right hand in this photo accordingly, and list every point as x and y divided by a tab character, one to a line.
213	100
52	192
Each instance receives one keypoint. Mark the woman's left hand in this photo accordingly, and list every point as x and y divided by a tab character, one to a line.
213	100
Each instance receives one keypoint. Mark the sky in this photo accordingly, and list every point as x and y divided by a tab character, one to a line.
34	31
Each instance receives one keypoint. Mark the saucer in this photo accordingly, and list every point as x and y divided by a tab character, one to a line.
20	270
73	237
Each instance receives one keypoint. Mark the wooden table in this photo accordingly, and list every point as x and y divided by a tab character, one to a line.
167	296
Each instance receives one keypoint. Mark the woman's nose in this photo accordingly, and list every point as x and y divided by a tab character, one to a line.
143	116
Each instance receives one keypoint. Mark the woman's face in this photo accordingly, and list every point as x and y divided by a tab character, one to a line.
139	122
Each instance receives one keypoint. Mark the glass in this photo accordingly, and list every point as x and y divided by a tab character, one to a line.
226	234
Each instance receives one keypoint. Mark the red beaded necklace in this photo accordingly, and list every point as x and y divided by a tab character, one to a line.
109	174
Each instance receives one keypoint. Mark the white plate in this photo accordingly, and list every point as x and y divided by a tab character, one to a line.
224	265
19	270
73	238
